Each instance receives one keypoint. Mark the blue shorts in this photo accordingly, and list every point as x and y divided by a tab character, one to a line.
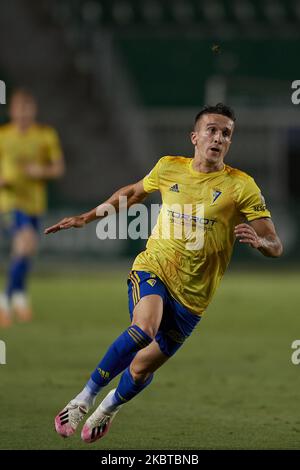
15	221
177	321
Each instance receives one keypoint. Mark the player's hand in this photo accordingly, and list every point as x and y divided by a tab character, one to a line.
68	222
4	184
34	171
246	234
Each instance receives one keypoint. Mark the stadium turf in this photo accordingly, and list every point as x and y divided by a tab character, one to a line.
232	386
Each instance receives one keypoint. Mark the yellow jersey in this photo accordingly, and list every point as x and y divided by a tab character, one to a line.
210	204
37	145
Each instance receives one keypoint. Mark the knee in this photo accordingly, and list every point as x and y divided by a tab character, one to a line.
26	251
147	328
25	244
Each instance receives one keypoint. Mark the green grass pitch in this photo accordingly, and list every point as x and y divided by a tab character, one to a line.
231	386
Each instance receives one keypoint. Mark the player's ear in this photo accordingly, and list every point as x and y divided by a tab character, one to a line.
193	137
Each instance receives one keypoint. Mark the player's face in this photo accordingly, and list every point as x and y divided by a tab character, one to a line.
23	110
212	137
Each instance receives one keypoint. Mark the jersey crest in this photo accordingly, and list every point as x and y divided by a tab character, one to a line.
216	193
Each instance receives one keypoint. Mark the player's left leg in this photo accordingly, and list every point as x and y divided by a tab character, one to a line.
24	246
135	378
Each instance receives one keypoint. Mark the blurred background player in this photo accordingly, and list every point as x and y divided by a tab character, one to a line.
30	154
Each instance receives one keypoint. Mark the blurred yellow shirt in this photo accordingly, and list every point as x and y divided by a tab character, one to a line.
38	145
227	198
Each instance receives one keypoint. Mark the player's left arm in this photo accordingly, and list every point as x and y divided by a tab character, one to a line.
260	234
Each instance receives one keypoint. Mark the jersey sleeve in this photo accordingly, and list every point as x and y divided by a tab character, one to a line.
251	202
151	181
54	150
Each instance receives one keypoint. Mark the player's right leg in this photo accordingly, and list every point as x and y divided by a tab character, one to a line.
6	221
147	316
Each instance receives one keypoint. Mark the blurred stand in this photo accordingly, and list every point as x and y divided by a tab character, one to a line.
123	80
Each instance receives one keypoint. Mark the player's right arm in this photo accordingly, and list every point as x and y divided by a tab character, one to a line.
134	193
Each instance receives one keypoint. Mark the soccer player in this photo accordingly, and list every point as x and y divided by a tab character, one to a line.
30	154
172	282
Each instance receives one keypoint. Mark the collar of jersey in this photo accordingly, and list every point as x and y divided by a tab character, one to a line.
202	174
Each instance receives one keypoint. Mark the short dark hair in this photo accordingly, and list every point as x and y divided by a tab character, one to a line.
219	108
